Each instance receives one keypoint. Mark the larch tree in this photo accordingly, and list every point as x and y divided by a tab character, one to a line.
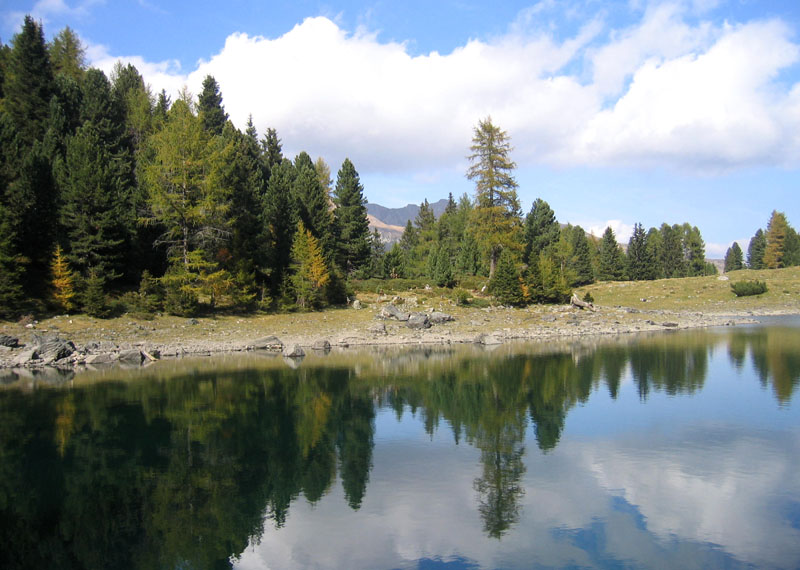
68	55
496	224
310	275
775	250
63	281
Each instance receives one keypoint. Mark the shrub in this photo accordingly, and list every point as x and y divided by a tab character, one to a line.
747	288
588	297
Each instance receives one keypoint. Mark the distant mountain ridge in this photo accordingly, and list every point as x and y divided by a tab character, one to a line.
401	216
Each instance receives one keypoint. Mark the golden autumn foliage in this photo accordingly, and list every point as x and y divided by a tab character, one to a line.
310	273
63	280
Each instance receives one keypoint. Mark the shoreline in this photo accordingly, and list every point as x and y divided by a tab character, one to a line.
132	341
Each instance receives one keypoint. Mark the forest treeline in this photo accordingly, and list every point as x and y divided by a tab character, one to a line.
112	197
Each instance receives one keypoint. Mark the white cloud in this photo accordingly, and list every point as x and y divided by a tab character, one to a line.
696	97
43	10
622	231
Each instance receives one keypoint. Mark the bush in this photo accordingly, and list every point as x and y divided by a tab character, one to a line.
747	288
588	297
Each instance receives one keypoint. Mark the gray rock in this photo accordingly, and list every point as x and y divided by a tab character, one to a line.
377	328
267	343
101	358
321	345
437	317
192	322
549	318
669	325
132	356
392	312
487	339
51	348
294	352
24	357
418	321
356	304
9	341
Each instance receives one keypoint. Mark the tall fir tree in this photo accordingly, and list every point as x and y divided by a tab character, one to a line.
756	249
672	260
209	107
541	230
352	225
734	258
611	265
279	223
505	284
581	263
496	223
641	263
694	251
312	204
28	84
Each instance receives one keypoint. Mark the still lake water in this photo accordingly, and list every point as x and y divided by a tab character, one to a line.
678	450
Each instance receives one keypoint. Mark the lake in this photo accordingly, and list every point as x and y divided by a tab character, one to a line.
673	450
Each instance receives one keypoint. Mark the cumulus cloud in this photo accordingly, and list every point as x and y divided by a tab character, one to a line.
43	10
700	97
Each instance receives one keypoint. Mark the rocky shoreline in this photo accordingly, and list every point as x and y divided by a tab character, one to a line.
389	324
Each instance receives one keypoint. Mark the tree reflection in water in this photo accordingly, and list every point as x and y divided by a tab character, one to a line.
183	471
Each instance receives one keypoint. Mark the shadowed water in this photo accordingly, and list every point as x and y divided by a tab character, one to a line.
668	451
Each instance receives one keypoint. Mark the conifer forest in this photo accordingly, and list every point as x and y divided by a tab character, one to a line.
114	198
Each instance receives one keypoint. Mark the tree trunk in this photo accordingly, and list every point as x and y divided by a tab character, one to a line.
576	302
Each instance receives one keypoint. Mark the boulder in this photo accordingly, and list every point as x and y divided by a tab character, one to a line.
418	321
377	329
101	358
669	325
392	312
9	341
24	357
437	317
295	351
487	339
267	343
51	348
356	304
321	345
133	356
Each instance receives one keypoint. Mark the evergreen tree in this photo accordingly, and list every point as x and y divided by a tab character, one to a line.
496	215
756	249
775	251
279	221
443	268
641	263
581	263
791	255
312	204
394	263
94	297
505	285
541	229
610	261
271	150
654	248
734	258
28	83
163	104
377	251
310	275
694	251
209	107
68	55
672	259
352	224
11	269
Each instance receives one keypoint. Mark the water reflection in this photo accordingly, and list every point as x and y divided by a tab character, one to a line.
204	468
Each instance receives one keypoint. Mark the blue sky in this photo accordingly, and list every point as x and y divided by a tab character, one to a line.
619	112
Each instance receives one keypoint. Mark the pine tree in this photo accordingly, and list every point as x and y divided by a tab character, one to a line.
611	266
312	204
94	297
694	251
63	281
271	150
352	224
672	259
209	107
641	265
505	285
443	268
496	215
310	275
775	251
278	221
394	263
734	258
756	249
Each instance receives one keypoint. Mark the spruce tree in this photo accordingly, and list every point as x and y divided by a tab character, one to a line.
352	224
734	258
639	256
611	266
504	285
541	230
209	107
581	263
394	263
443	268
28	84
271	150
496	223
279	222
312	204
694	251
672	261
755	250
